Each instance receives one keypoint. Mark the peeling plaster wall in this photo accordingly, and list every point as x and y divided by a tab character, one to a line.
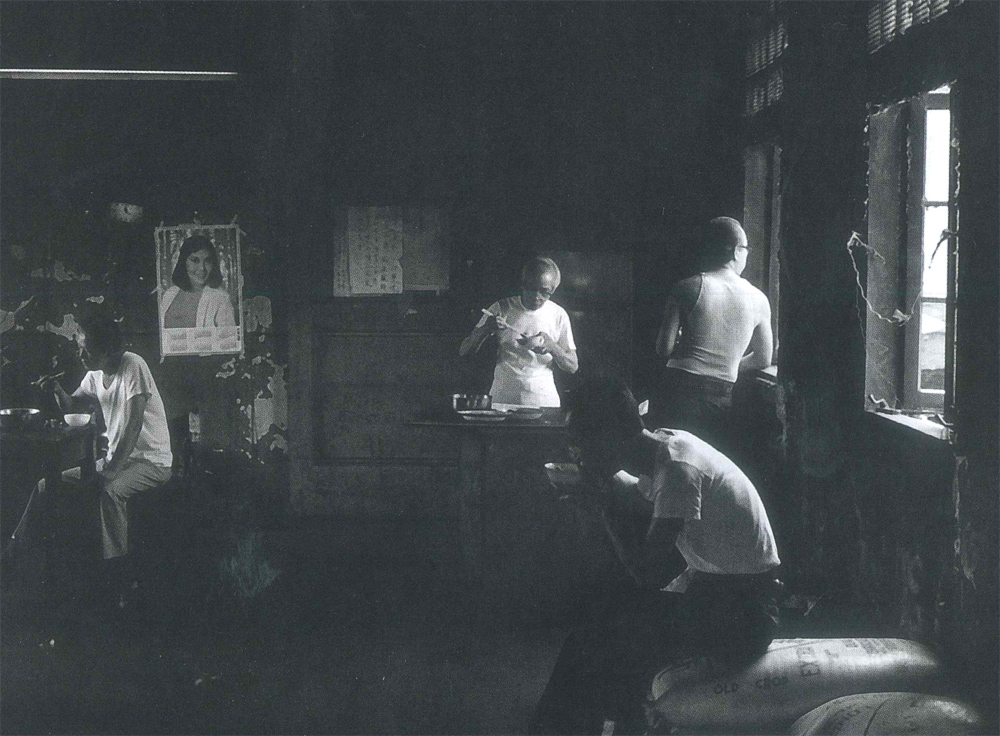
875	513
39	330
62	252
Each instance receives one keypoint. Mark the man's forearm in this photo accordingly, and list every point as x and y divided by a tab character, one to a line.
69	404
565	359
125	445
475	340
130	435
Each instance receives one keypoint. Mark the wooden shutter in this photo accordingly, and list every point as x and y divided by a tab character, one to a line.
767	40
888	19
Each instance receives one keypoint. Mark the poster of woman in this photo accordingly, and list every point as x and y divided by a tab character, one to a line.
200	289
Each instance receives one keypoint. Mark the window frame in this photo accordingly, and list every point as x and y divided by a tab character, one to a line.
913	396
906	262
763	262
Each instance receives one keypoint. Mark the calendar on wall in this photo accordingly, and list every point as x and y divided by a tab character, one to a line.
389	250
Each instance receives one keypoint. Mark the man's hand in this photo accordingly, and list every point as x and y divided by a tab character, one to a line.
660	540
62	398
544	344
624	482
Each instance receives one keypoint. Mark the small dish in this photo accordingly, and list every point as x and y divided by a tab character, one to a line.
528	412
483	415
76	420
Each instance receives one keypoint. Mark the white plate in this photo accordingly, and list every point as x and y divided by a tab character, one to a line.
483	415
512	407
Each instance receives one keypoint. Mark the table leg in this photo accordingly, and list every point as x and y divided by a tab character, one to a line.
47	537
472	452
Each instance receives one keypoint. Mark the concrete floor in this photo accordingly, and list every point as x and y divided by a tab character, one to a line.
352	637
370	628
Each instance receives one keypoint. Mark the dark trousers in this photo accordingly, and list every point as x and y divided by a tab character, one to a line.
605	669
698	404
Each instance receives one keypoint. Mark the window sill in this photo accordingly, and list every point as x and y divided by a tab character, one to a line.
767	375
914	423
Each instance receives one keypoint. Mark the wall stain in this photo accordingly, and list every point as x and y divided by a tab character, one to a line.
257	311
68	330
59	273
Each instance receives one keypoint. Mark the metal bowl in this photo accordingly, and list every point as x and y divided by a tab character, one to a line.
466	402
19	418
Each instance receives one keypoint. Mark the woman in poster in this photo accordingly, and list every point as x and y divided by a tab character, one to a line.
196	299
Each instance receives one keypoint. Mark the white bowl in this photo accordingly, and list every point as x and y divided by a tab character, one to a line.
76	420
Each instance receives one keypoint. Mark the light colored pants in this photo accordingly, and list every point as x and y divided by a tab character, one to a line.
135	477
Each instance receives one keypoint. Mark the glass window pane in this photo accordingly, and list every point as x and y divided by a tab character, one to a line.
931	360
937	155
934	280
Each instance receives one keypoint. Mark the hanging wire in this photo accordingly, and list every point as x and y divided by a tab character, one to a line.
897	317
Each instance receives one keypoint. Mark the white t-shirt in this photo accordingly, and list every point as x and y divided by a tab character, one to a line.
726	530
522	376
133	378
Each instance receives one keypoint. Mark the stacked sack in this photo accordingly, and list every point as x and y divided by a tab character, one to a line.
812	686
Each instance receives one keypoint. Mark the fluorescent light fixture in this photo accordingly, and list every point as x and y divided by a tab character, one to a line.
117	75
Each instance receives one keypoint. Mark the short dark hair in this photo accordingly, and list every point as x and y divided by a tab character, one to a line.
192	245
103	333
721	237
604	416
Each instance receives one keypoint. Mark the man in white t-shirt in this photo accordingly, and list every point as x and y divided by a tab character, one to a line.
723	605
139	457
533	335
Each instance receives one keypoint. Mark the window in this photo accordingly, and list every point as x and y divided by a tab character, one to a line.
889	19
912	254
762	221
766	41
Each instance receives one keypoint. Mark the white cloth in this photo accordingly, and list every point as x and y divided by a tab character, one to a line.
215	308
716	328
131	379
521	376
726	530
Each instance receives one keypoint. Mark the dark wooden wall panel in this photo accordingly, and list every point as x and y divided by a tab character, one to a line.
369	387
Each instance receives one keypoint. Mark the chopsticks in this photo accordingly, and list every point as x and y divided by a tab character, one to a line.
501	321
43	379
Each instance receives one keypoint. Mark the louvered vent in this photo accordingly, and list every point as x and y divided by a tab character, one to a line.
888	19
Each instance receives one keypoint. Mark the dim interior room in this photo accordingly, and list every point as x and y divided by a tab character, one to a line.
338	549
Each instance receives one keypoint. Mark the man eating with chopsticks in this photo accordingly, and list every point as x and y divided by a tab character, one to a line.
139	457
534	334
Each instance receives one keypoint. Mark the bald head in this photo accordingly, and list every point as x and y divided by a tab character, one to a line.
723	237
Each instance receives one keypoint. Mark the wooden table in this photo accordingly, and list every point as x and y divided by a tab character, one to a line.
32	454
533	550
479	443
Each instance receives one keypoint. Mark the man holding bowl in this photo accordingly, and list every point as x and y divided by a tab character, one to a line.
139	457
534	334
